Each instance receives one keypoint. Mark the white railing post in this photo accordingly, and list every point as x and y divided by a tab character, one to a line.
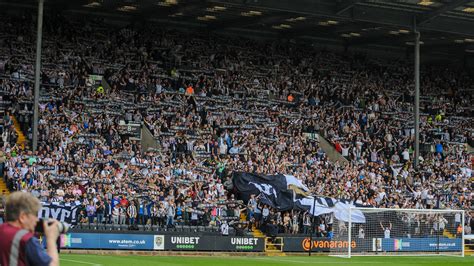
462	235
350	231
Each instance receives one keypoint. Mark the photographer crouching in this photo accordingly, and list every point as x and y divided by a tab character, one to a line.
18	244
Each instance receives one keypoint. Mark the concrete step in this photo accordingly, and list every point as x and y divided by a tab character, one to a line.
3	188
331	152
21	141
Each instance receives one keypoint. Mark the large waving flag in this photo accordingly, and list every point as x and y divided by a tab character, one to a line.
286	192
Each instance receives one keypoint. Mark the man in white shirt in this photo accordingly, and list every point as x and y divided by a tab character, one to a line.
405	155
386	230
457	219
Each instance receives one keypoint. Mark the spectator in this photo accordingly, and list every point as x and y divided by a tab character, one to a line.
132	213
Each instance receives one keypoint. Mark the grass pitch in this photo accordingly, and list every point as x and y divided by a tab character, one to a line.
105	260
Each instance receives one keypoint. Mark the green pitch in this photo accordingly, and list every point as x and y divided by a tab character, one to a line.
84	260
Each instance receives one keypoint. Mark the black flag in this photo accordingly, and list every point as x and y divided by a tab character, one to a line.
274	187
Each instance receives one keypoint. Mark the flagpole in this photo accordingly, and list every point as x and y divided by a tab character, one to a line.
312	228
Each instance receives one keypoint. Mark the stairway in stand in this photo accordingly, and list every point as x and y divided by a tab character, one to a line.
21	141
468	249
270	248
3	188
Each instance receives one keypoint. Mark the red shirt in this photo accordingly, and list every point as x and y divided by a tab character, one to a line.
338	147
7	233
124	202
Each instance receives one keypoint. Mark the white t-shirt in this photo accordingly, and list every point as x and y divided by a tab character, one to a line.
457	218
380	197
406	155
387	233
345	152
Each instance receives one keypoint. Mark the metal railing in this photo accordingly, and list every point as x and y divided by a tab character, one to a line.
274	244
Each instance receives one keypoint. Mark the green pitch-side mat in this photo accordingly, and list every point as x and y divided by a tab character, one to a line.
122	260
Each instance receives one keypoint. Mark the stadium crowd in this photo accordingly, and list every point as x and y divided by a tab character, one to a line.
215	105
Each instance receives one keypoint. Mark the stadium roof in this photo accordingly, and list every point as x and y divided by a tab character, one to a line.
445	25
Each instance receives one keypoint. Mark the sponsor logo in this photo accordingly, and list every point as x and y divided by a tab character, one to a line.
442	245
306	244
185	246
184	240
126	242
67	240
244	247
399	244
244	243
159	242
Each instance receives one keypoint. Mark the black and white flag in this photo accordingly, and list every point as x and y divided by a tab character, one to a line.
324	205
286	192
272	187
66	212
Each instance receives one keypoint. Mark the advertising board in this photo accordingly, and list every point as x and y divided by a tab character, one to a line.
161	242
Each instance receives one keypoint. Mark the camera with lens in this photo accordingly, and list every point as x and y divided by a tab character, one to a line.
62	227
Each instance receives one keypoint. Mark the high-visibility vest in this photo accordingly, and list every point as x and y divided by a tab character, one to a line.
291	98
189	90
100	89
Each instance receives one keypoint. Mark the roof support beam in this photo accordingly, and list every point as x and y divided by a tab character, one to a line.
274	18
151	9
361	12
445	8
380	39
345	5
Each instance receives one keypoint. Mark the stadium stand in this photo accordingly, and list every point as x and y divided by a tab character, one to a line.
217	105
